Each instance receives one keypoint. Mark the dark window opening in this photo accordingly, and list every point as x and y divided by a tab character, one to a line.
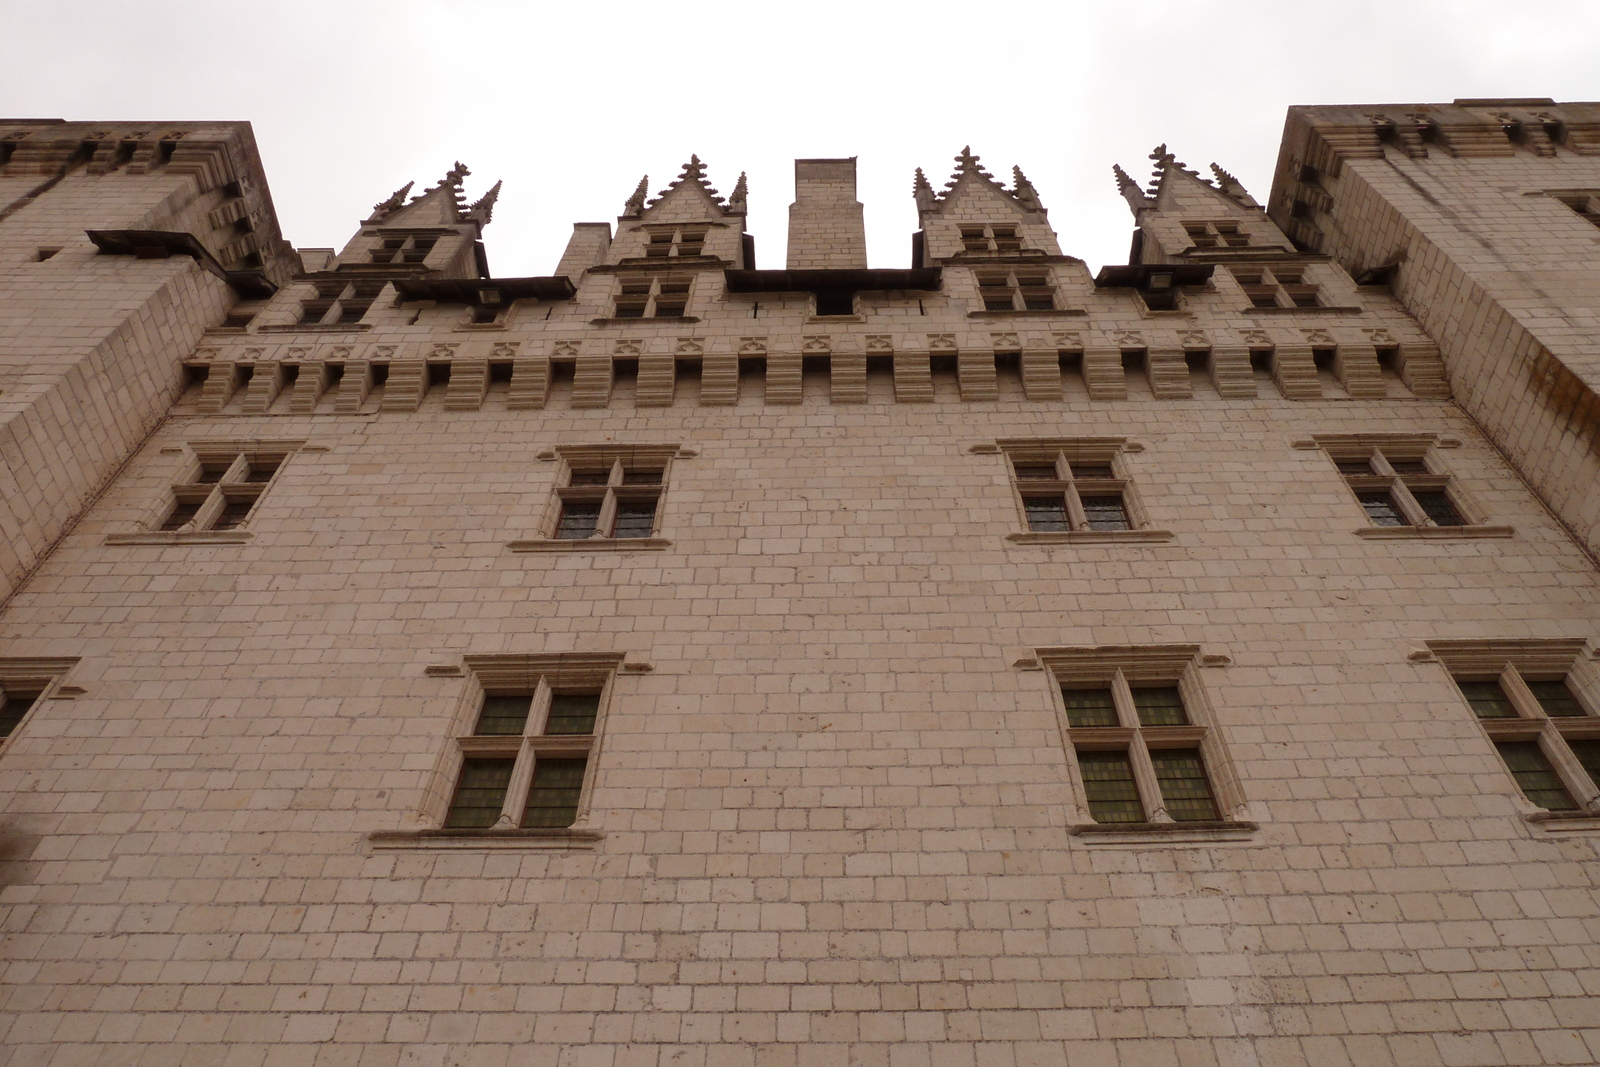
1185	790
835	302
1381	508
1109	787
1487	700
502	715
553	799
572	713
1535	776
1089	707
480	794
12	710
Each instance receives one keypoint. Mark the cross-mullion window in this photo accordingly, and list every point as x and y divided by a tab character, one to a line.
525	761
1531	720
1061	494
684	241
1130	738
1283	287
222	493
1399	489
619	501
1216	234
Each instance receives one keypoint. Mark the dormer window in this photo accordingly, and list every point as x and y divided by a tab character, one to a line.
976	238
1280	287
403	249
681	241
1219	234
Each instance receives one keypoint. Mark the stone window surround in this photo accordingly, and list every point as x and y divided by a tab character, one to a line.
1216	233
995	238
613	457
644	292
680	240
1018	285
1378	448
1119	667
1512	662
538	675
1065	452
1284	286
43	677
236	459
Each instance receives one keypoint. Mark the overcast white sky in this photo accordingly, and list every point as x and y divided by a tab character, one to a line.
571	102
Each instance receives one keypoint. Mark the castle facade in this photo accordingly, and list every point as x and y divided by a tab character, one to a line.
679	660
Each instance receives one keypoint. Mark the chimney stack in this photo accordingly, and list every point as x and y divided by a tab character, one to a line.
826	228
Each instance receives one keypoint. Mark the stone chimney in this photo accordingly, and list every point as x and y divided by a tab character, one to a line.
826	229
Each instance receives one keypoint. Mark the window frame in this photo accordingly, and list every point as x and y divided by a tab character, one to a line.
1282	288
1013	283
1216	233
969	233
41	676
540	676
616	463
1511	665
648	302
1390	459
217	474
1072	487
1121	669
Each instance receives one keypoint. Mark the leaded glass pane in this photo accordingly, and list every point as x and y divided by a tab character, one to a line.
578	520
1108	785
1488	700
480	794
1185	790
1160	706
1105	513
553	800
1380	508
635	518
1089	707
1588	753
1556	699
1046	514
1436	504
572	713
1535	775
503	715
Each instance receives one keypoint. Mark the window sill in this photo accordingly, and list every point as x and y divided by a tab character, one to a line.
199	537
591	544
1092	537
642	319
1432	533
1565	822
331	327
387	840
1303	311
1151	833
480	327
825	320
1053	313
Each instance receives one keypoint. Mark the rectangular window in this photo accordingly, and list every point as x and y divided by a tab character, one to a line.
618	500
523	766
1397	485
676	242
1138	727
1555	698
1070	487
1277	287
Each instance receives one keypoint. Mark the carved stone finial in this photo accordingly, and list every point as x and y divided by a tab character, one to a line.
922	192
483	209
741	190
1231	188
1130	190
1023	190
635	203
383	209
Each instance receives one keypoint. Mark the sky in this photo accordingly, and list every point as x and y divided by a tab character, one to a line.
572	103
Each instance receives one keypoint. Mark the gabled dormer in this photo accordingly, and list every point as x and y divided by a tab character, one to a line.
688	225
1183	217
437	233
977	219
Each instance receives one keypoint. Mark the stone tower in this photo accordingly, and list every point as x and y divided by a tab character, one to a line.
671	661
